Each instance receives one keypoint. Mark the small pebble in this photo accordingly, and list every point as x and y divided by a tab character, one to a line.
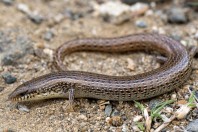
58	18
23	108
114	121
125	128
36	18
192	126
131	64
137	118
33	16
177	15
8	2
9	79
108	110
115	113
48	35
139	9
173	96
73	15
186	97
169	110
102	104
111	8
154	102
82	117
141	24
23	8
183	42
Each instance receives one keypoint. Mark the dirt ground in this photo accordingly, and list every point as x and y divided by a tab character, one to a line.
53	115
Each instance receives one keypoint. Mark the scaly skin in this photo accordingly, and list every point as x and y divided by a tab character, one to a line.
172	74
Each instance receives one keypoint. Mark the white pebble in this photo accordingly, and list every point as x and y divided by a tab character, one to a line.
111	8
23	108
137	118
49	52
173	96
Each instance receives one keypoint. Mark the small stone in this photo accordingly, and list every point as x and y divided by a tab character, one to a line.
58	18
73	15
119	20
125	128
1	88
173	96
141	24
111	13
154	102
177	15
137	118
36	18
48	35
9	79
115	113
131	64
82	117
102	104
139	9
108	110
111	8
169	110
192	126
8	2
23	8
186	97
114	121
49	52
159	30
183	42
23	108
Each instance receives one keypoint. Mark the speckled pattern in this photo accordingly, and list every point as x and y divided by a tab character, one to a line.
53	115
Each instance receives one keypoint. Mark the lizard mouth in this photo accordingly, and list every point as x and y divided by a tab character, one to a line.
22	97
37	95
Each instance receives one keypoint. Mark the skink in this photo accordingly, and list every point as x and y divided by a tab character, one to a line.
77	84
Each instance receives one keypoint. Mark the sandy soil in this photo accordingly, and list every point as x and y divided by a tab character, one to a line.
52	115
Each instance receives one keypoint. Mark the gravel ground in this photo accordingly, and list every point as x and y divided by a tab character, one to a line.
31	30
